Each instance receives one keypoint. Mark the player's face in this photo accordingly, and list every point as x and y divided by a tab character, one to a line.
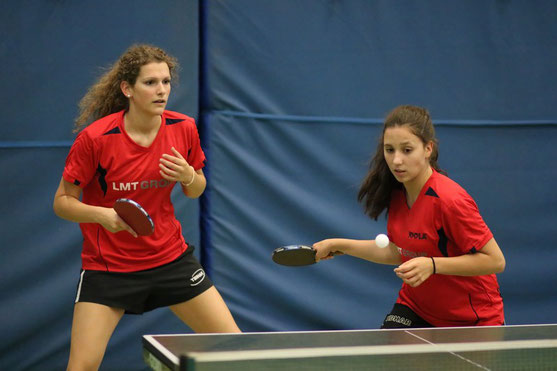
406	154
150	92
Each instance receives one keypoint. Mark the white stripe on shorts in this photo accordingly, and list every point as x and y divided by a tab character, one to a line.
79	286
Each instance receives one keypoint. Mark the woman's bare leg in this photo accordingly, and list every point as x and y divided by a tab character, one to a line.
206	313
92	327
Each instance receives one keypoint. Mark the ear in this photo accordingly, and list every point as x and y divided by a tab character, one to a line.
428	149
126	88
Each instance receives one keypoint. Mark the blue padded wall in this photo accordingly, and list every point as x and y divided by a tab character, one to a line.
52	51
296	93
291	99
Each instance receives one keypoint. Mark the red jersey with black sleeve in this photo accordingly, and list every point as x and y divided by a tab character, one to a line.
107	164
444	221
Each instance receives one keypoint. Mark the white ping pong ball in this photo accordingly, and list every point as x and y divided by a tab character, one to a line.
382	240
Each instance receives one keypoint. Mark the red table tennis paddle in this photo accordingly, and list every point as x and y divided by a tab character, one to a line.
135	216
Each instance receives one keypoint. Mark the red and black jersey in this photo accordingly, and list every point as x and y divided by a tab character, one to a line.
444	221
107	164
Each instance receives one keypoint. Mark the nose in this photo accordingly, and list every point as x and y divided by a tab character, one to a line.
397	158
161	88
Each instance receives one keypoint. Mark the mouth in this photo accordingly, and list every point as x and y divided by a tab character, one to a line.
160	101
398	172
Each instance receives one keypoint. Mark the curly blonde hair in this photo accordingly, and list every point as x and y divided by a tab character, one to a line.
105	96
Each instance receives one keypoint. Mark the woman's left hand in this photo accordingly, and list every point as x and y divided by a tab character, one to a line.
415	271
176	168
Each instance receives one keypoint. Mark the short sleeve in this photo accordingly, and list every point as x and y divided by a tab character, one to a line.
80	163
464	225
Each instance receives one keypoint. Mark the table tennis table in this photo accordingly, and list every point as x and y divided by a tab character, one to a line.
519	347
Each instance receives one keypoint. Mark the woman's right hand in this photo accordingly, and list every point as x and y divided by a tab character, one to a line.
67	205
326	249
112	222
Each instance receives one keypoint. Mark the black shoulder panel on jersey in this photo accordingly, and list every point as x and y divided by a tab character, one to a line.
173	121
431	192
116	130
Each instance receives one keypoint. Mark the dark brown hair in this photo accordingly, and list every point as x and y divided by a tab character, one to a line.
105	96
378	184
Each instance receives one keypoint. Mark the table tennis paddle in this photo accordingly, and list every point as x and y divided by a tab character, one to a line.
135	216
296	255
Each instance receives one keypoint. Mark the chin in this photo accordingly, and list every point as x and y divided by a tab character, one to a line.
158	111
398	177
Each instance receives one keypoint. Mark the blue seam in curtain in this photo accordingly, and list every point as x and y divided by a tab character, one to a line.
367	121
205	247
35	144
318	119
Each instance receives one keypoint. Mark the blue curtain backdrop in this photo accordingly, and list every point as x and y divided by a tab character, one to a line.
289	98
51	52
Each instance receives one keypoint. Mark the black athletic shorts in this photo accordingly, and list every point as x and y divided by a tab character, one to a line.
142	291
403	317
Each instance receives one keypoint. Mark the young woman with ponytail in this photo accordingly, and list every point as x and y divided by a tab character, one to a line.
445	254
